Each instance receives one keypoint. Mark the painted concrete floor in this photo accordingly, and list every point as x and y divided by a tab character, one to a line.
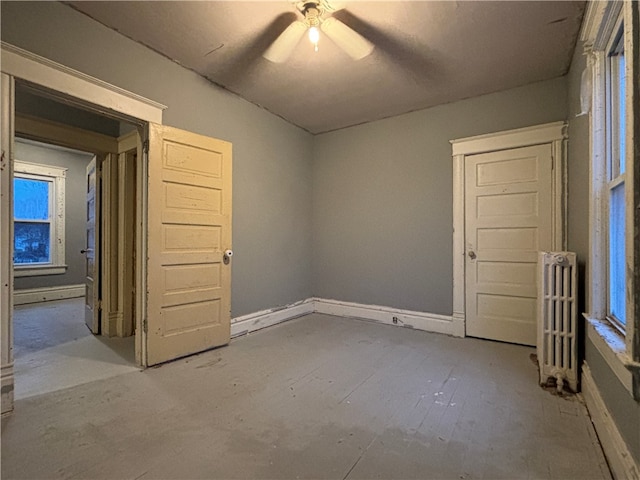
49	358
315	397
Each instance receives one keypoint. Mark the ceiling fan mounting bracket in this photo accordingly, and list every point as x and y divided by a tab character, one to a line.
312	12
323	6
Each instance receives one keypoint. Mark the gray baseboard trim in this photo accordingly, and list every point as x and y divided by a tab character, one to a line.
46	294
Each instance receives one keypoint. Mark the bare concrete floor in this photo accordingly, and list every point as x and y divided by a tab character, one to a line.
316	397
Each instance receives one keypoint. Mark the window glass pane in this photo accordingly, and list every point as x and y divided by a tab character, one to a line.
621	112
617	254
30	199
31	243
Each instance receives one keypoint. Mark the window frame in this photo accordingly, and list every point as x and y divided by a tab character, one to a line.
57	176
614	177
601	29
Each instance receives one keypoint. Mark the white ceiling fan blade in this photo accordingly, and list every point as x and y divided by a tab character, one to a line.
331	5
354	44
283	46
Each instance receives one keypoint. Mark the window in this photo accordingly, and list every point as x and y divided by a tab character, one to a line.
38	219
616	135
610	33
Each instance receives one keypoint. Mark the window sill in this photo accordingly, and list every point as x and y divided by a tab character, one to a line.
37	271
611	345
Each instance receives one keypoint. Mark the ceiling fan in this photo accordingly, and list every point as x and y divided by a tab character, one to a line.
353	44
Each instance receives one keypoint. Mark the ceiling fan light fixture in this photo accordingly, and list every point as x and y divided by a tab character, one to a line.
347	39
314	37
312	18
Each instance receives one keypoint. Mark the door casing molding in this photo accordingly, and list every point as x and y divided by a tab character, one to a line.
20	63
550	133
94	94
6	243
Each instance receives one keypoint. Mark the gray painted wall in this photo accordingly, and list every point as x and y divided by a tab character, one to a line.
75	210
382	197
578	171
624	409
271	158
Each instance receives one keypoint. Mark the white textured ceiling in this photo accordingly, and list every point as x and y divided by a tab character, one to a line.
426	53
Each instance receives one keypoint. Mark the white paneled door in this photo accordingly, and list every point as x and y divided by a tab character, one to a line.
508	219
189	230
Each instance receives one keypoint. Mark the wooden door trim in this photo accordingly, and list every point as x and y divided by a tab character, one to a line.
551	133
39	129
95	95
7	376
39	70
110	273
128	141
126	241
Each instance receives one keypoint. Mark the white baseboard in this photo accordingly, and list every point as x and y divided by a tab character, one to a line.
266	318
429	322
621	462
45	294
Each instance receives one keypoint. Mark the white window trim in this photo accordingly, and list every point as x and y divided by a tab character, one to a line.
602	21
57	176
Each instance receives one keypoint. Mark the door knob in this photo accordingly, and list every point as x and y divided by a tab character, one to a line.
472	255
226	257
83	251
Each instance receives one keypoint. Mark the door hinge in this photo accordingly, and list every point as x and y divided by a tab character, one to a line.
145	325
145	146
99	306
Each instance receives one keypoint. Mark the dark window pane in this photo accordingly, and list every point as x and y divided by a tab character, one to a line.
31	243
30	199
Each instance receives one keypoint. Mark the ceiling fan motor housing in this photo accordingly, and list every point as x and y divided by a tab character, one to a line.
312	13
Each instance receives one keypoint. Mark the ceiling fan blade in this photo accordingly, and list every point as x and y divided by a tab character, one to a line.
354	44
284	45
331	5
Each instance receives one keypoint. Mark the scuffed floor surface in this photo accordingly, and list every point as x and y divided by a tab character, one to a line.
54	349
316	397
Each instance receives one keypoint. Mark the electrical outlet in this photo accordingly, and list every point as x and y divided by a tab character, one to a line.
395	320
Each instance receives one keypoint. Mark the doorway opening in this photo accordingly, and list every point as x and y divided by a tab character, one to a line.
75	323
489	282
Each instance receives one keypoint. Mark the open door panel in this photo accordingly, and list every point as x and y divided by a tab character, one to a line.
92	284
189	229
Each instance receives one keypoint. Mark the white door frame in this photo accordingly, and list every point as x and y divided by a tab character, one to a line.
97	95
550	133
